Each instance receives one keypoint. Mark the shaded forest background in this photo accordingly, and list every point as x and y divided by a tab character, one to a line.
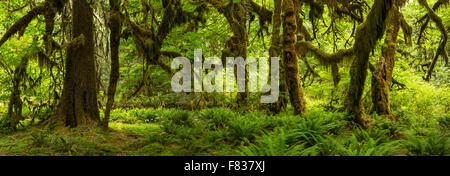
93	77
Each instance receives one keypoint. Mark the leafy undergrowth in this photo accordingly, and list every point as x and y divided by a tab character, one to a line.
219	131
82	141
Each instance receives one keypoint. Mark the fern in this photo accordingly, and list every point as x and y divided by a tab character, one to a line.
219	116
433	145
277	143
243	128
352	146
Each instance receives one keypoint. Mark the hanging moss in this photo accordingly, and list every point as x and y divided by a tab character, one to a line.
441	51
49	16
406	28
76	42
436	6
23	22
324	58
265	15
44	61
149	42
236	46
14	115
59	4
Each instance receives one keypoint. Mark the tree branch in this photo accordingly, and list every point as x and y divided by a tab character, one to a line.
324	58
23	22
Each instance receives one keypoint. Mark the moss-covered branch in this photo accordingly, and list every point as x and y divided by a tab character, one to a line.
171	54
264	14
441	49
23	22
326	59
426	18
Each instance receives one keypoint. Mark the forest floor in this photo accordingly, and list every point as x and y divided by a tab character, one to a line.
218	131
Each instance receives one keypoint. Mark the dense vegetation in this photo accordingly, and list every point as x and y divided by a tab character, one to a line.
357	78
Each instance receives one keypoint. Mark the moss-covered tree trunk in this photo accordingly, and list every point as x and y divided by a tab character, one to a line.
49	17
290	58
367	35
235	13
275	51
115	27
382	75
15	104
79	97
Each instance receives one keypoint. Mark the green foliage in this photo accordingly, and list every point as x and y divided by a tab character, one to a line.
353	146
277	143
39	138
420	98
76	142
444	121
244	128
178	132
433	145
180	117
218	116
389	126
150	119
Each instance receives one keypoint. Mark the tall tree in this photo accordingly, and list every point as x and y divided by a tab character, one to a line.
382	75
235	13
79	97
14	115
115	28
19	76
367	35
290	58
275	51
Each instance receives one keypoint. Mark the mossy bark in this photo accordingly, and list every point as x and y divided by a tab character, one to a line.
367	35
115	27
14	115
23	22
290	58
235	13
382	75
275	51
336	80
49	16
79	97
441	51
148	42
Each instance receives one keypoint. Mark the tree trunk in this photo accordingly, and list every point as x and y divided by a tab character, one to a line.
79	98
49	17
235	14
115	29
290	58
366	38
14	115
275	51
382	75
